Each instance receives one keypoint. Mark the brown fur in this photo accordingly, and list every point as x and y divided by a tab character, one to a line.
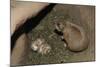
74	36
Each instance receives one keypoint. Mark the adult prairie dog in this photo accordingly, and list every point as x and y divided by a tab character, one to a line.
74	35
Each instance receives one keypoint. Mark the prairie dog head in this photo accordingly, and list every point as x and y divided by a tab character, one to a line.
60	26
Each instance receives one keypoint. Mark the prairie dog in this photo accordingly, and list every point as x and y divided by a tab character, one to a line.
74	35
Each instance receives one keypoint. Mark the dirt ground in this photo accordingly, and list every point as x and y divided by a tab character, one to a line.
83	16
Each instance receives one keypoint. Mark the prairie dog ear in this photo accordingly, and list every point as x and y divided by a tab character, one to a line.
12	3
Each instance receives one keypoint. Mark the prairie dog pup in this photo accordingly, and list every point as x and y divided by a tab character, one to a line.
74	36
